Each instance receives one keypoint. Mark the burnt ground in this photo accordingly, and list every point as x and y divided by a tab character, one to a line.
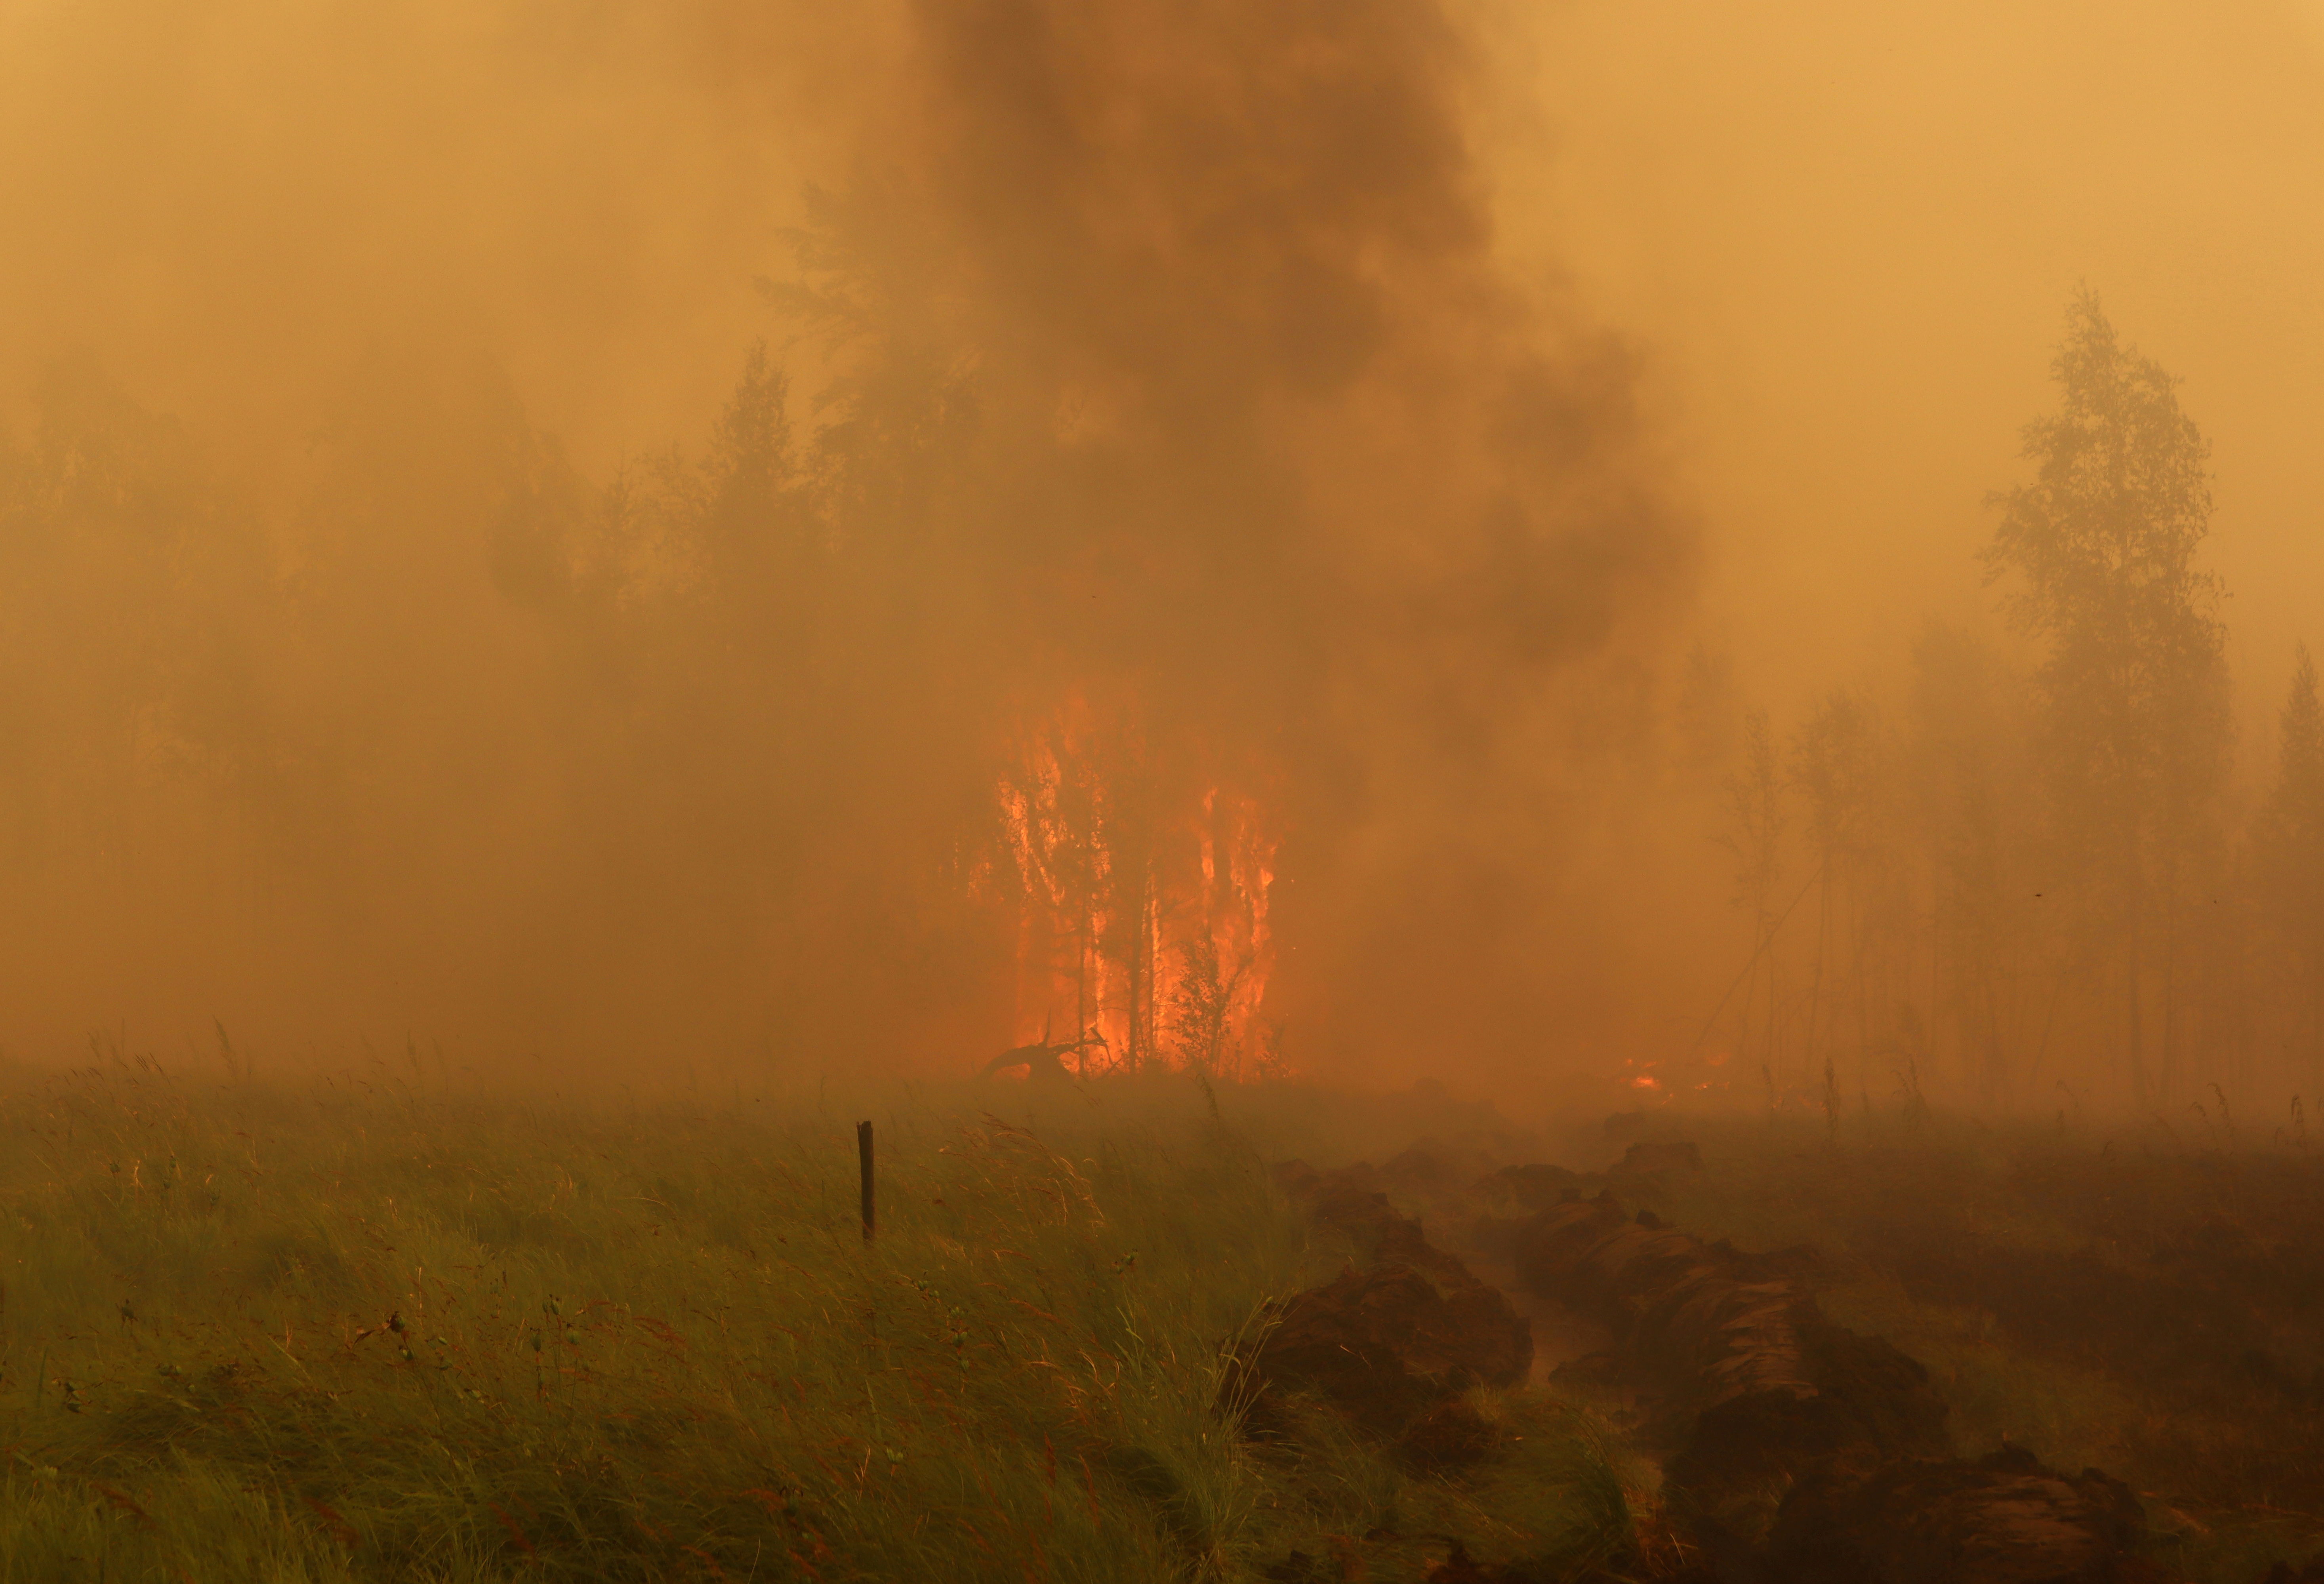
1926	1353
2181	1292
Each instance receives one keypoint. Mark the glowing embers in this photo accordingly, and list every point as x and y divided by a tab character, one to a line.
1140	887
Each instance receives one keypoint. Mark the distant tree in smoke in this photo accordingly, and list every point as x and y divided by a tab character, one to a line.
2103	544
1971	780
2288	847
1838	765
1752	797
1705	712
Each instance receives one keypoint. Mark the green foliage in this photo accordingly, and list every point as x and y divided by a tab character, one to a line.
424	1346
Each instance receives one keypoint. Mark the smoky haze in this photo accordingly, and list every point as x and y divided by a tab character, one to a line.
693	534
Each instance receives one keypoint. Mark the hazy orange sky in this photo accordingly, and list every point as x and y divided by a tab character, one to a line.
1847	232
1842	233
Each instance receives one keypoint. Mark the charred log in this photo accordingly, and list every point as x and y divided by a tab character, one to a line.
1042	1059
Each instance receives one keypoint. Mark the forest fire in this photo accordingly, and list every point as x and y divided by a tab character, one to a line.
1142	905
1040	791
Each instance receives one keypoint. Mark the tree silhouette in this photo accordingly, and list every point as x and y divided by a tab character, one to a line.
2134	686
1968	770
2288	842
1835	755
1752	797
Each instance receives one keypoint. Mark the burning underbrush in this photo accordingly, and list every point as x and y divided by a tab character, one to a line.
1114	1333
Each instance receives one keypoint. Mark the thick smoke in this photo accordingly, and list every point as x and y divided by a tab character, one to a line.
1204	546
1147	367
1294	466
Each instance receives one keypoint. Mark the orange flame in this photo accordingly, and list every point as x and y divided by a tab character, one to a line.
1142	917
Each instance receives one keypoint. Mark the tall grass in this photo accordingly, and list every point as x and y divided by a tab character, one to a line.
267	1336
258	1337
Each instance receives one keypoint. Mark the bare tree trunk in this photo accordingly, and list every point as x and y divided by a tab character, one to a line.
2166	1080
1080	979
2133	904
1149	956
1936	966
1219	893
1134	967
2316	1015
1774	998
1860	934
1814	1046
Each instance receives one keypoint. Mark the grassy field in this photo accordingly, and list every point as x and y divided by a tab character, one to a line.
353	1332
356	1330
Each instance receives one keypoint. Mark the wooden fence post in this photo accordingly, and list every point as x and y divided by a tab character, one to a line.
863	1154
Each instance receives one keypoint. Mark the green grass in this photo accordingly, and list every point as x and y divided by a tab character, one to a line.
260	1336
353	1332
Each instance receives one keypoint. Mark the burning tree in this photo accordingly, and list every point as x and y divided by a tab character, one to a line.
1141	893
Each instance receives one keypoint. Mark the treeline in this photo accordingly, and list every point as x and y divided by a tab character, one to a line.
879	724
2028	874
914	718
431	734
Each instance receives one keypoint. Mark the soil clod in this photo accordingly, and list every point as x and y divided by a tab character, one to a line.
1391	1340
